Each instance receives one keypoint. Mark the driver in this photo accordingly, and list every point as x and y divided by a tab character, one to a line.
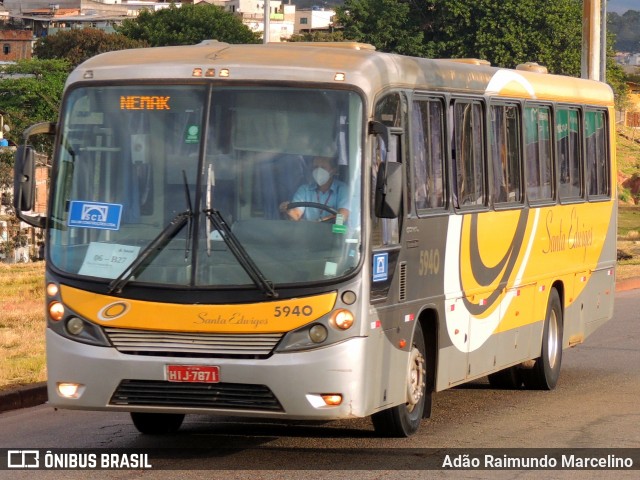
324	190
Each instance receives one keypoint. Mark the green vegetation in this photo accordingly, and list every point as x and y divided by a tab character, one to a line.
505	33
629	223
187	25
627	30
22	346
77	45
30	92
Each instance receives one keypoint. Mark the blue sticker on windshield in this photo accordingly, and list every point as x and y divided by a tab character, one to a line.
103	216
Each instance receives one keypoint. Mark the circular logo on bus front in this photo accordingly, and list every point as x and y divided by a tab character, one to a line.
113	311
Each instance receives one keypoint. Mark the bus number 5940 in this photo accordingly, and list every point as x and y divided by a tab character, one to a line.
296	311
429	262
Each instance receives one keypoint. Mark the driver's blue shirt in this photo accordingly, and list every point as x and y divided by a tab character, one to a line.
336	197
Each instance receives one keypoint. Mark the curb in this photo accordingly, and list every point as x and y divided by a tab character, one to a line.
23	397
36	394
628	284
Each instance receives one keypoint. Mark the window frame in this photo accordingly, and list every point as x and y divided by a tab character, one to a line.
520	202
581	197
551	199
444	163
453	147
597	197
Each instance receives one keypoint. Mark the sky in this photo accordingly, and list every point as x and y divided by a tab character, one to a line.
621	6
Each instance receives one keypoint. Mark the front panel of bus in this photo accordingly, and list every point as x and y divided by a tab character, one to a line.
177	280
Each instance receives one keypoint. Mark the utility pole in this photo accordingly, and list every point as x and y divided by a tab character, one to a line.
594	39
267	25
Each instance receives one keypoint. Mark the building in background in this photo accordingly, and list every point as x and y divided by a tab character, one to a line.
16	45
314	19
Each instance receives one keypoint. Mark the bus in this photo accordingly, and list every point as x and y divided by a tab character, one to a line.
453	221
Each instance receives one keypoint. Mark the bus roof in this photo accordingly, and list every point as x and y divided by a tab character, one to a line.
321	62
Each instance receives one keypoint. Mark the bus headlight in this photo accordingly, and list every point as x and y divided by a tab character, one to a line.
332	328
318	333
56	311
342	319
75	326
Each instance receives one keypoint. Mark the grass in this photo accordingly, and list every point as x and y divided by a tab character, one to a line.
22	348
629	242
628	154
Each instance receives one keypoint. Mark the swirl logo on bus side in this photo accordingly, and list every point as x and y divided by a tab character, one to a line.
502	78
113	311
467	330
471	324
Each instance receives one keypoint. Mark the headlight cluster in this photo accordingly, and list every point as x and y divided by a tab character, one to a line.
333	327
66	323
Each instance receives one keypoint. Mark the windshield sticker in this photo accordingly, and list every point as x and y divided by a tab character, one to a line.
103	216
380	267
192	134
107	260
339	226
330	269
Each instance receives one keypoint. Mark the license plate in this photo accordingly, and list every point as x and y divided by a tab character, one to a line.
193	373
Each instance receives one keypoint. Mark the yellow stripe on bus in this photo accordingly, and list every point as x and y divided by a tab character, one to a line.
266	317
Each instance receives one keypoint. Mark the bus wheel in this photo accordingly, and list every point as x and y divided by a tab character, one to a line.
546	369
157	423
404	420
507	379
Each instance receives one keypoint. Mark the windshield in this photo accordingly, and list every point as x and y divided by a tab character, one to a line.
147	176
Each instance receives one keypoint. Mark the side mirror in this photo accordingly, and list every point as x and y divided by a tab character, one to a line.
24	186
388	194
24	181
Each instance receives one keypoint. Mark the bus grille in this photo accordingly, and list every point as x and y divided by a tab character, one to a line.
195	395
144	342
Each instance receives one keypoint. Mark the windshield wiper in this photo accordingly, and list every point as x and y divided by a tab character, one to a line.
155	247
240	253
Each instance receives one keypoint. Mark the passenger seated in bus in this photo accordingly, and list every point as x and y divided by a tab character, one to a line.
325	189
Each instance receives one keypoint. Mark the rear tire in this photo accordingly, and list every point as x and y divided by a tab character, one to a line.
157	423
546	369
404	420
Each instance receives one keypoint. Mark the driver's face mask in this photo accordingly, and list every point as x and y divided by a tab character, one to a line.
321	176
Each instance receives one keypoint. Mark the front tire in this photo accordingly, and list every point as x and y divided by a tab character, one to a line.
157	423
546	369
404	420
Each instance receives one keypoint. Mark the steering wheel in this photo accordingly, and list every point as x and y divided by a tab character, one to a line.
320	206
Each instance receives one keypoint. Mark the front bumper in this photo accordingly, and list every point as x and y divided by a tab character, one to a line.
295	380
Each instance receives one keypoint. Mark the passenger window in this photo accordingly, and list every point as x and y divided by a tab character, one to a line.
569	153
468	154
428	155
389	111
505	154
597	158
538	154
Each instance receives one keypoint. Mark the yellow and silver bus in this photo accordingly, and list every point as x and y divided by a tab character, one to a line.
453	221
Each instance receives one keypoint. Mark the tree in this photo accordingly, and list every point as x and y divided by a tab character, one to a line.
317	36
187	25
505	33
77	45
30	92
389	25
627	30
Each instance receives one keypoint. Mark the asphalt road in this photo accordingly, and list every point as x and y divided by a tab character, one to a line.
596	405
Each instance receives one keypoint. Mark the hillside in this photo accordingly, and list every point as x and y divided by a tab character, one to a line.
628	155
